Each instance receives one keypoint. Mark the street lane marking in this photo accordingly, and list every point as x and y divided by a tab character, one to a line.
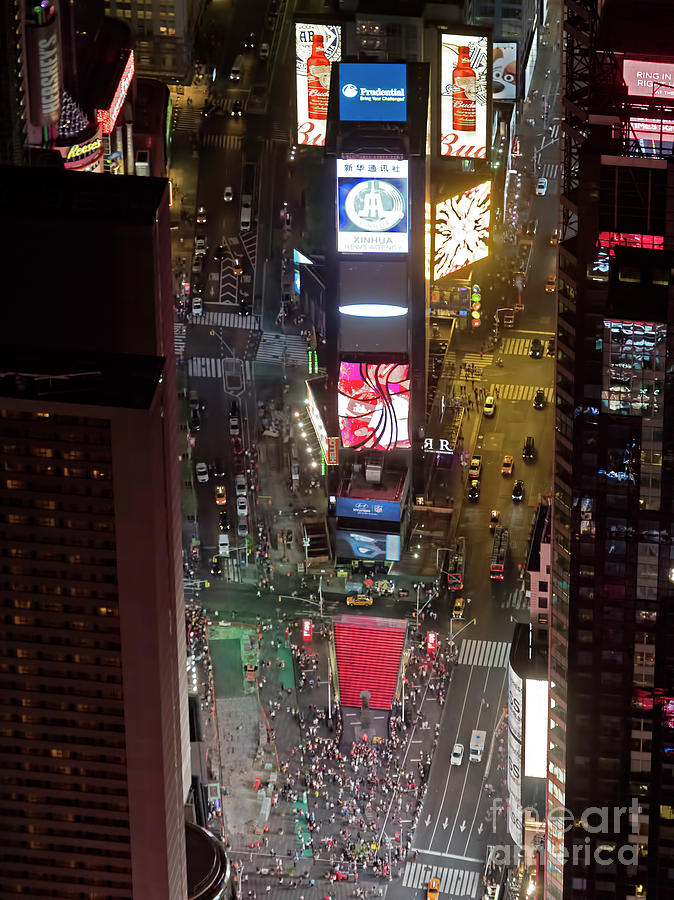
493	654
452	880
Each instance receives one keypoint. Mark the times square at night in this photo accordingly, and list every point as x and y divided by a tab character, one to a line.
336	527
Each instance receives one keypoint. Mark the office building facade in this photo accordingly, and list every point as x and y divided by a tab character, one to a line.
610	779
95	765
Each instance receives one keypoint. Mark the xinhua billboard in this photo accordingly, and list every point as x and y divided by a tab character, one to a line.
463	95
372	214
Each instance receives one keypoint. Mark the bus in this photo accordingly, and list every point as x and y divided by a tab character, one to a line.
499	553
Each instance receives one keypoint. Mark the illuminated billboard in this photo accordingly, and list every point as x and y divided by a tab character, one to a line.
317	47
373	405
649	79
463	95
317	419
372	206
367	545
108	117
504	71
536	729
461	234
373	92
380	510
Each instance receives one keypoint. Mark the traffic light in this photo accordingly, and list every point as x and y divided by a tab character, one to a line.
476	306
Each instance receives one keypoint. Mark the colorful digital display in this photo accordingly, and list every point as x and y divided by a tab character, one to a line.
373	405
463	95
504	71
317	47
375	510
373	92
372	206
461	230
367	545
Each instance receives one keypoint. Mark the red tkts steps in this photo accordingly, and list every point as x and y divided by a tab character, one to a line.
368	658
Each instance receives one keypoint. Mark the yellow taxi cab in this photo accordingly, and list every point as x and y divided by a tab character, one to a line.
358	600
507	465
459	608
433	889
551	284
220	494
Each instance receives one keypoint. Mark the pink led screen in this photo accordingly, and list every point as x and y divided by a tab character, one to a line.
373	405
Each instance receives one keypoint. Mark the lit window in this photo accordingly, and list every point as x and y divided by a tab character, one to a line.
13	485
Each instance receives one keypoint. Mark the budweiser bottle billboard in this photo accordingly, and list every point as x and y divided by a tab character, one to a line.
318	80
464	93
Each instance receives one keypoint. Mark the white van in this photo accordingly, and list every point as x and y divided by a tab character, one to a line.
246	212
237	66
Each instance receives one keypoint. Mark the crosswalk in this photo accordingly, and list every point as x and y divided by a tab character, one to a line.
491	654
517	346
473	360
550	171
516	599
228	320
187	119
274	347
179	337
459	883
519	392
222	141
204	367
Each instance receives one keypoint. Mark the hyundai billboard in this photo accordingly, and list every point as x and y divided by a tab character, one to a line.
373	92
461	233
372	206
376	510
463	95
368	545
373	404
317	47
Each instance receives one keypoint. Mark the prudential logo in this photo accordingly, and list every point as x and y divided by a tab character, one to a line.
350	91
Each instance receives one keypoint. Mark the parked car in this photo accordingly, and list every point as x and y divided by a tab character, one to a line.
457	755
242	528
539	399
541	187
234	426
202	472
518	491
536	349
264	51
240	486
237	446
200	243
242	506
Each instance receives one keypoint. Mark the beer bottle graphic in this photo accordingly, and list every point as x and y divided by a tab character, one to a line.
463	94
318	80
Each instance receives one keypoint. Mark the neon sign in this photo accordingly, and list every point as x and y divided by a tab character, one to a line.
108	117
78	150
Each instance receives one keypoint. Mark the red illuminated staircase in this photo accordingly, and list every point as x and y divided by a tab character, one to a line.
368	653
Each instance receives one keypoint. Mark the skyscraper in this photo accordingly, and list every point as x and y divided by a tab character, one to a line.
610	792
94	755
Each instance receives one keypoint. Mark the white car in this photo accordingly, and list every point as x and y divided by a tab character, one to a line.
264	51
202	472
241	506
240	486
457	755
489	406
541	187
228	196
234	427
242	528
197	306
223	544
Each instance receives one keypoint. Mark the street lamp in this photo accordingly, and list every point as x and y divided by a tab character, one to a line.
453	636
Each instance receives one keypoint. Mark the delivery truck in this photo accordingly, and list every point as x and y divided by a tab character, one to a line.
477	740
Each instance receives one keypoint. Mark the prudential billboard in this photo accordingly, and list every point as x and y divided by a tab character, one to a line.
372	92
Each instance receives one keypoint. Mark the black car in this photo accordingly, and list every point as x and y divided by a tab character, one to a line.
539	399
528	450
223	521
216	566
219	253
518	491
551	347
197	288
250	40
474	491
195	421
536	349
244	308
237	110
531	227
217	468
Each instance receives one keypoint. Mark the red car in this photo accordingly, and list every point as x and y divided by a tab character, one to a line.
237	446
